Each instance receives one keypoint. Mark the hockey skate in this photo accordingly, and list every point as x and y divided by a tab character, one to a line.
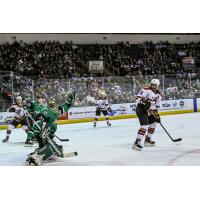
108	124
5	139
28	143
149	142
137	145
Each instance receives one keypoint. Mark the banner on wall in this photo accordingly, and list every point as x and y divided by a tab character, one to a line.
117	110
129	108
198	103
172	105
5	117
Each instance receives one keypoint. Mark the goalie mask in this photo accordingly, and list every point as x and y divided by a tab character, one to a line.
52	102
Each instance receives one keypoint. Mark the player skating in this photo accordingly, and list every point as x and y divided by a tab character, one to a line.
19	119
147	101
34	107
44	129
102	106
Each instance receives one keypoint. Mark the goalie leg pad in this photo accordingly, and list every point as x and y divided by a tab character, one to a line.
34	159
40	155
58	149
35	131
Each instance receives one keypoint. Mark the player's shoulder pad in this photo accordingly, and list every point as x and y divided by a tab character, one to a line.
146	88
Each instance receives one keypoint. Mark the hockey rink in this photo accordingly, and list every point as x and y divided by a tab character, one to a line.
111	146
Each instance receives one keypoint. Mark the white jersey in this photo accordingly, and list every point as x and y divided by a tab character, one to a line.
19	111
148	94
102	104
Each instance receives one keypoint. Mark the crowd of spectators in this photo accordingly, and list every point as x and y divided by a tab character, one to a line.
51	68
56	60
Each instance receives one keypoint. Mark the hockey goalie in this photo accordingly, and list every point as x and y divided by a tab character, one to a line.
44	130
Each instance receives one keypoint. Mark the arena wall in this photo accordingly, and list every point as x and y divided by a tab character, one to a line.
99	38
123	111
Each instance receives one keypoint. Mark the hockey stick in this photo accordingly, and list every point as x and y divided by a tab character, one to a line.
62	140
174	140
70	154
28	114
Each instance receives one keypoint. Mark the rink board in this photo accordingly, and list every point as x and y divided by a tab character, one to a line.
123	111
198	104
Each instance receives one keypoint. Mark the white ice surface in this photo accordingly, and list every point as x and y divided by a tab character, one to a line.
112	146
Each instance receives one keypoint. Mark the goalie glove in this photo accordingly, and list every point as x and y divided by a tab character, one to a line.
70	97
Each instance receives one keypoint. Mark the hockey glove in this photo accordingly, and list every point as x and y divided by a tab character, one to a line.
147	104
109	109
156	115
11	109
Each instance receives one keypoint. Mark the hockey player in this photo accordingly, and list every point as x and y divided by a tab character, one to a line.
43	131
34	107
102	106
19	118
147	101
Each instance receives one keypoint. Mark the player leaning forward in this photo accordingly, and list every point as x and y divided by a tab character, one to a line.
147	101
19	118
44	129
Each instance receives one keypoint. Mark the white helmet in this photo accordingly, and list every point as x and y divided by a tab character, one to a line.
18	98
155	82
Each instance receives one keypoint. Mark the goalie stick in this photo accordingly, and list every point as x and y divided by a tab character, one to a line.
174	140
62	140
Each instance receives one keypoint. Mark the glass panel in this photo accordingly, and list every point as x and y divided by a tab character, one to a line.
195	85
177	86
119	89
85	88
6	94
48	88
23	86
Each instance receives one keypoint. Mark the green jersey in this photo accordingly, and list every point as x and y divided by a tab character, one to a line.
34	108
50	115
